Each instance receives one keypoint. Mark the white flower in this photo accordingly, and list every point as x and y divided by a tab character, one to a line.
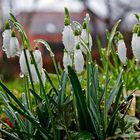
22	61
14	47
38	59
35	76
78	61
68	38
6	41
85	38
67	60
122	51
136	46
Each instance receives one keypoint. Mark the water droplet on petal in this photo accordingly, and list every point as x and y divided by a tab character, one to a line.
21	75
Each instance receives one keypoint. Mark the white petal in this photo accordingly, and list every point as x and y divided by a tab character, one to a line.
136	46
78	61
14	47
34	74
67	60
85	38
38	59
122	51
68	38
22	61
6	41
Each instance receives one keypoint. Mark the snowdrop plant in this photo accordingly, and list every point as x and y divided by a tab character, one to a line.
71	110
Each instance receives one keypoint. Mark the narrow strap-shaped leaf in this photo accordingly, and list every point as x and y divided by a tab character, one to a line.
62	89
51	83
114	91
116	107
9	134
12	96
83	115
32	120
36	95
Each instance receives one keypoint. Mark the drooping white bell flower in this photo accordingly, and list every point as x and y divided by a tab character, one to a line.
68	38
23	64
6	38
38	58
136	46
121	48
85	39
78	60
35	76
6	41
14	47
67	61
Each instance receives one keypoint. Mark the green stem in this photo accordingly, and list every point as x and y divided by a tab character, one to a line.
28	67
55	66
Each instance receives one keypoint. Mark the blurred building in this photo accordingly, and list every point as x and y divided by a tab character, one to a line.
44	19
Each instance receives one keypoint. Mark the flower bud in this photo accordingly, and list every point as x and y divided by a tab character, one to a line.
22	61
68	38
122	51
78	61
135	43
38	58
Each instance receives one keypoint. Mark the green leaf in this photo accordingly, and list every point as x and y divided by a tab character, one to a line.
62	89
113	31
95	83
83	135
137	17
12	96
114	91
9	134
13	17
36	96
32	120
112	125
51	82
83	115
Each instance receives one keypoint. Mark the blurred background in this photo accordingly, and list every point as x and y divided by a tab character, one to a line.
44	19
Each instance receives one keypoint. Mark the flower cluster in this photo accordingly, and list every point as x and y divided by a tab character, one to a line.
12	48
72	43
121	47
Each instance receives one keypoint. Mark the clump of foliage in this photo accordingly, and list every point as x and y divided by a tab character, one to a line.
72	109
